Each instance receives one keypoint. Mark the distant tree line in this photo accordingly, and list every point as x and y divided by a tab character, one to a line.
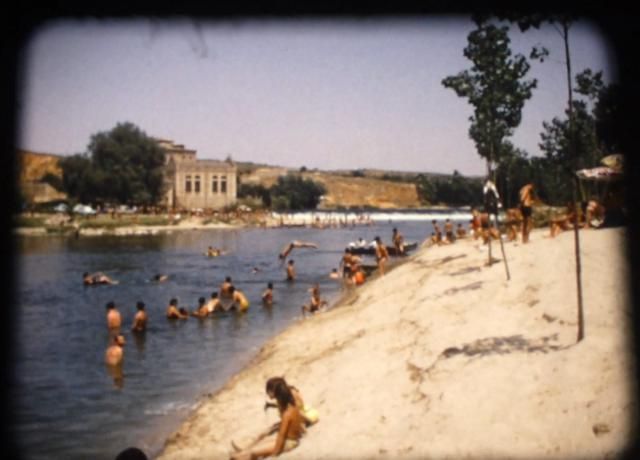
290	192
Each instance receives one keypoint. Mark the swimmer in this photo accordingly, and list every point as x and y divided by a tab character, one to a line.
115	352
225	288
202	310
114	319
213	252
174	313
291	271
140	320
334	275
295	244
316	302
240	302
159	278
96	278
345	263
267	295
214	304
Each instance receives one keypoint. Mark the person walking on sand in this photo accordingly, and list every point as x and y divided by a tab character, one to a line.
114	319
526	202
381	255
295	244
291	271
140	320
290	429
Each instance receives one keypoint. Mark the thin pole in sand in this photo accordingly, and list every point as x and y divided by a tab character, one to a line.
491	204
504	256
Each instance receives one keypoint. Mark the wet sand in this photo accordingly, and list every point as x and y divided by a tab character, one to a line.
444	358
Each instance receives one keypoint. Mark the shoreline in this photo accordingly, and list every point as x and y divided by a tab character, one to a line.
447	358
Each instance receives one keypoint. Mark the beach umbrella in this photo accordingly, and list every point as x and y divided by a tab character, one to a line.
614	161
600	174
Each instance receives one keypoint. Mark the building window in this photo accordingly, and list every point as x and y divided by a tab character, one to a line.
187	184
223	184
197	184
214	184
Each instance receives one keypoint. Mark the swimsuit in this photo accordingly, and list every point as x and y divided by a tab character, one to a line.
526	210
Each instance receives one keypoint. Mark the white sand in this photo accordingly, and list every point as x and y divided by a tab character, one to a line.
513	382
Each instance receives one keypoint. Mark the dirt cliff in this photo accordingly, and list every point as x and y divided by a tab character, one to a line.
34	165
346	191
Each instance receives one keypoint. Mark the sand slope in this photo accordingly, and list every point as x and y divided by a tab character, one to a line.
445	358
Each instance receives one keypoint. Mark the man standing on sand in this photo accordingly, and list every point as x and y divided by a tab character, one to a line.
382	255
140	320
114	320
526	202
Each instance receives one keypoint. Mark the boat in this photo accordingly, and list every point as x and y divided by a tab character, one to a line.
371	251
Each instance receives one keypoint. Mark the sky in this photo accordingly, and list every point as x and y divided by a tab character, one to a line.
326	94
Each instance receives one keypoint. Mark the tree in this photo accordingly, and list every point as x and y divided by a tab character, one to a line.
123	165
495	88
295	193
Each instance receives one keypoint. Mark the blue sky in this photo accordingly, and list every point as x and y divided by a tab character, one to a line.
322	94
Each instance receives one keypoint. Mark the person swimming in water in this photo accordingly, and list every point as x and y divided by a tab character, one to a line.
174	313
315	303
267	295
91	279
202	310
291	271
240	302
141	318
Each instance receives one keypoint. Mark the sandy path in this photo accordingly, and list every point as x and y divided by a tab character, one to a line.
445	358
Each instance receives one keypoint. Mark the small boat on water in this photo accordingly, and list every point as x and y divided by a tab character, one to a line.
371	251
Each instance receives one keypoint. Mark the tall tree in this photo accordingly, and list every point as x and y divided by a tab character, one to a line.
123	165
495	87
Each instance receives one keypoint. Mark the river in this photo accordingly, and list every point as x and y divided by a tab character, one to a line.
67	404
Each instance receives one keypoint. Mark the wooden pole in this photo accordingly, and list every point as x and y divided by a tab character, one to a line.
574	158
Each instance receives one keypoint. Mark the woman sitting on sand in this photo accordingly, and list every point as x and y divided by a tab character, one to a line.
290	430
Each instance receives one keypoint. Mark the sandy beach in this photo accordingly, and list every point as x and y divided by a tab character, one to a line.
444	358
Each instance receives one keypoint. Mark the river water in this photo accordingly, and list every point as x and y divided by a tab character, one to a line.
67	404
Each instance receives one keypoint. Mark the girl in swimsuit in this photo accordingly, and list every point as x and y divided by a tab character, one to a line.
290	430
